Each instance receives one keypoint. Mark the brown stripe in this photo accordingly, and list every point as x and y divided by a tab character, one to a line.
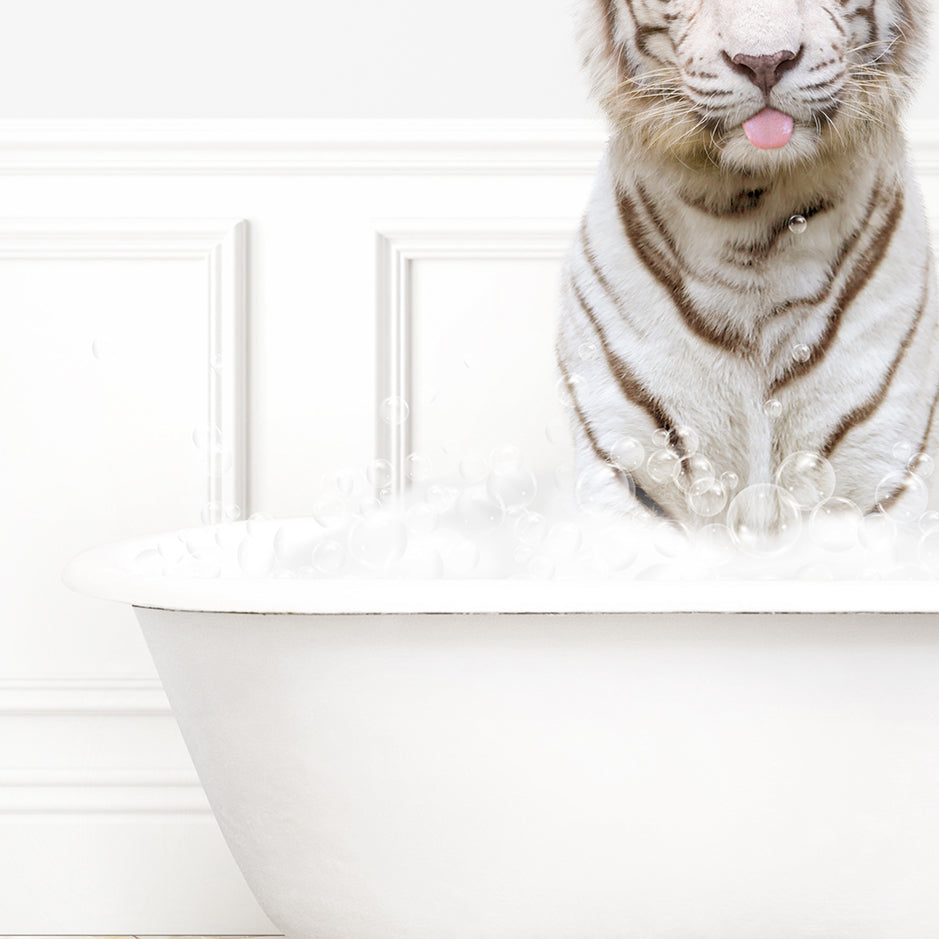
862	273
603	456
631	387
738	204
724	338
894	497
865	410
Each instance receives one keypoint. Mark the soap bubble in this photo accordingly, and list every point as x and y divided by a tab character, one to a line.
730	481
441	498
378	540
903	496
628	454
922	464
592	491
801	352
418	467
835	524
328	557
772	408
394	410
514	488
663	465
557	432
929	521
808	478
206	437
219	460
798	224
694	473
661	437
231	512
709	500
903	451
351	483
379	473
531	527
587	351
688	439
478	510
330	510
572	389
764	520
212	513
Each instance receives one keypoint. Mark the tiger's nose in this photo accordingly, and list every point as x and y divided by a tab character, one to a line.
765	71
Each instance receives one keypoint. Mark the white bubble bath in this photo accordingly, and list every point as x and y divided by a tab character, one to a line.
499	522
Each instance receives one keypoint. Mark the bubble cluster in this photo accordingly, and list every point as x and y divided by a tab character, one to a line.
501	517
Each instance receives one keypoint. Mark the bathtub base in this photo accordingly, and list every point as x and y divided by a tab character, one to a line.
577	776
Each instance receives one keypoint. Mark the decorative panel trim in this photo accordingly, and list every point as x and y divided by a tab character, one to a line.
399	244
221	244
93	790
56	697
100	791
309	147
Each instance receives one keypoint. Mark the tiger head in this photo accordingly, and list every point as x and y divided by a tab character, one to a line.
753	85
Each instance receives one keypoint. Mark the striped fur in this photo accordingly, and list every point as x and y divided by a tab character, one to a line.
704	309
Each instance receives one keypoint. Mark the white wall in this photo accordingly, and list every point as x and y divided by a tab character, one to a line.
284	58
114	244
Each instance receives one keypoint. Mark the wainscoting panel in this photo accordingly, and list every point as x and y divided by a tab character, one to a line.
204	320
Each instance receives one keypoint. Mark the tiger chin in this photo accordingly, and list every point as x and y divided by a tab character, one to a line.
752	278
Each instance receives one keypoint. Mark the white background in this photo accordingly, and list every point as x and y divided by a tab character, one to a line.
284	58
104	361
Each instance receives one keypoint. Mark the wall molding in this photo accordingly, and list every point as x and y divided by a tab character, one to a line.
300	147
89	696
101	792
312	147
399	245
221	244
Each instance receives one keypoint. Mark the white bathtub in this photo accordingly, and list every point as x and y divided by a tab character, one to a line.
482	760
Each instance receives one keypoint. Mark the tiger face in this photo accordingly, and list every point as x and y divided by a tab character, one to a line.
753	84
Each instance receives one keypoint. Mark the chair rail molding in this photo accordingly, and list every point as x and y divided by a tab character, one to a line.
312	146
222	245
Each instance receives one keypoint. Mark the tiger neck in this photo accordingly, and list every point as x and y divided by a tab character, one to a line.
739	197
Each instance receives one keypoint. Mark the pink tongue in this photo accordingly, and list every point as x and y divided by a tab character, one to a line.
768	130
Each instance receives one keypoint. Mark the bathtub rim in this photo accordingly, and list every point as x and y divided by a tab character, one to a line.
98	572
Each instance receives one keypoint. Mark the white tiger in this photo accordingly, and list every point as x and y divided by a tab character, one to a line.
692	305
